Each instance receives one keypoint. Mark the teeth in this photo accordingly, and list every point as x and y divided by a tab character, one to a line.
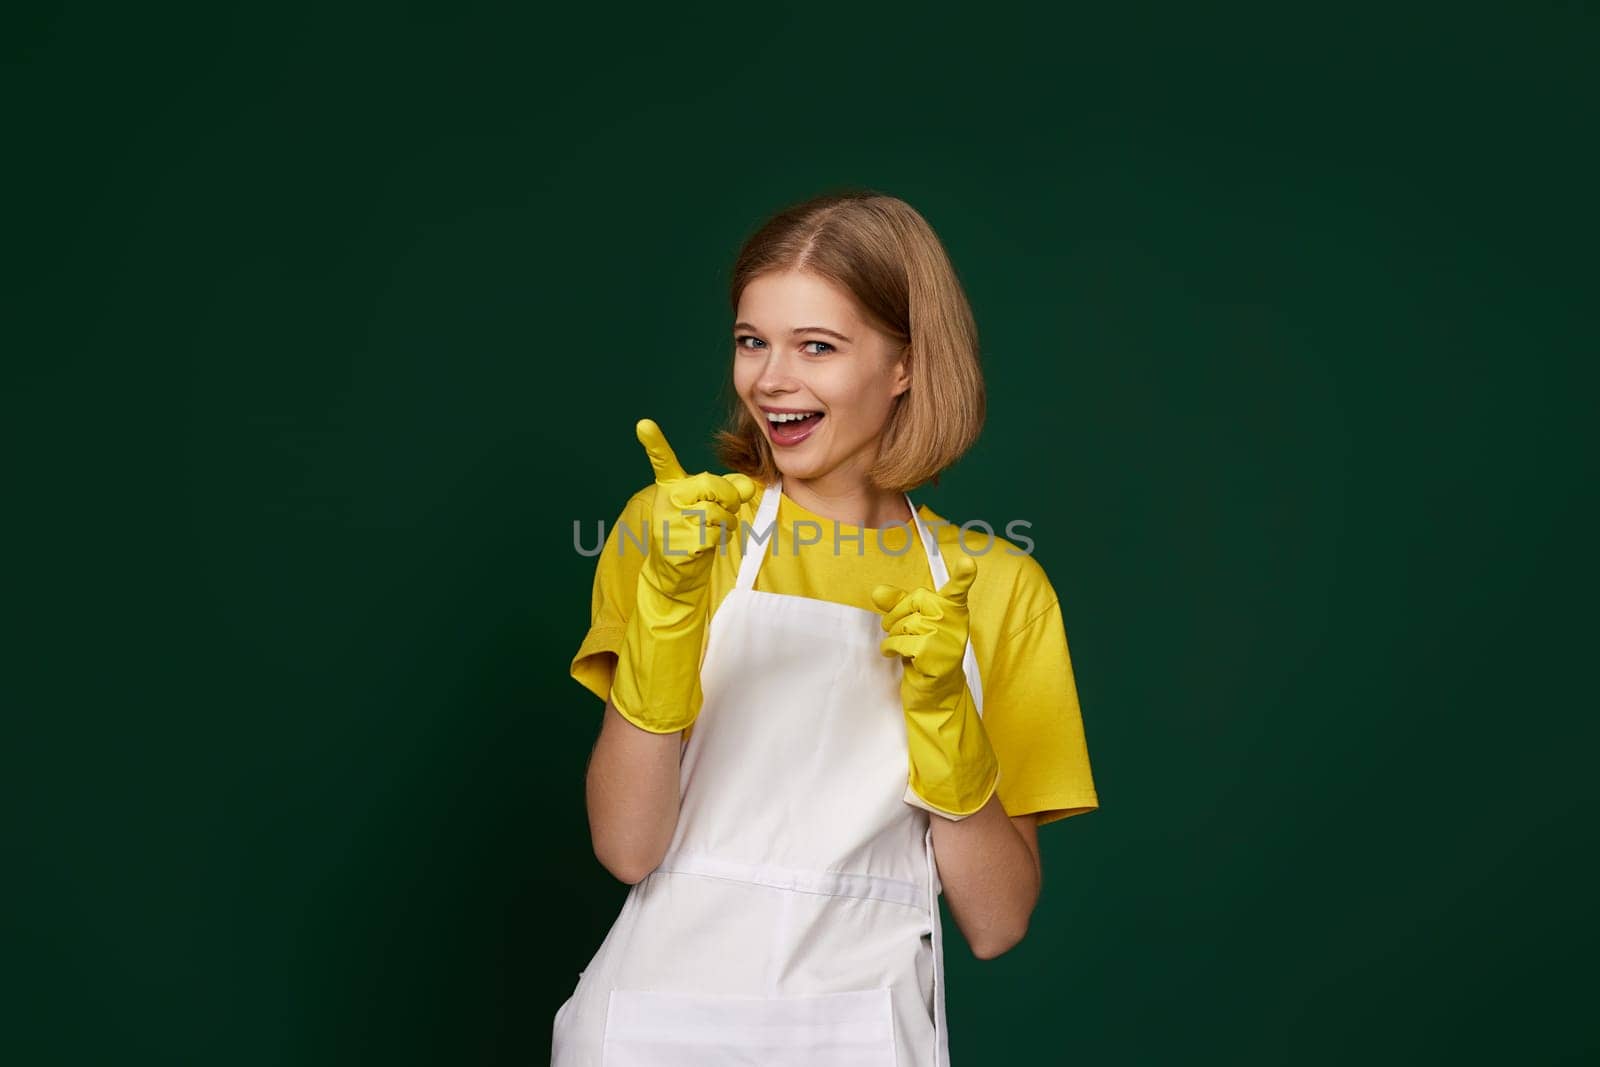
789	416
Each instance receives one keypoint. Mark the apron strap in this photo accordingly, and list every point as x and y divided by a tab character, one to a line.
762	539
941	1025
941	574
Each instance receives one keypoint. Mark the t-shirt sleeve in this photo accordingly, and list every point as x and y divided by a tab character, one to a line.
616	574
1031	713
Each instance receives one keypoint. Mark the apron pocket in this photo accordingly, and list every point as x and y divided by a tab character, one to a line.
654	1029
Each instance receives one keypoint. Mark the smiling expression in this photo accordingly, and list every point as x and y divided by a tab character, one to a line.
815	374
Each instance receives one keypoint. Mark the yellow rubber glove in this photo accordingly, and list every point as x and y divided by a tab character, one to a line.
953	769
657	683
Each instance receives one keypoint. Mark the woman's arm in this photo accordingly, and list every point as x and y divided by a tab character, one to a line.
632	780
631	788
989	865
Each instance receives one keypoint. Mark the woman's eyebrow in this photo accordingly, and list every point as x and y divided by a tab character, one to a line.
798	330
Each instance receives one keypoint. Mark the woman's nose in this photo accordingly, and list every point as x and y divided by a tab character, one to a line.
777	375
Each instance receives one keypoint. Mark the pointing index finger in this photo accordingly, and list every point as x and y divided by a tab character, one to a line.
662	459
962	572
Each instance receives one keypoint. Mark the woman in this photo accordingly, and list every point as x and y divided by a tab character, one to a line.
823	706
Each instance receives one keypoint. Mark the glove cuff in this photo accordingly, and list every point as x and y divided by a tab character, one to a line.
656	686
953	770
916	801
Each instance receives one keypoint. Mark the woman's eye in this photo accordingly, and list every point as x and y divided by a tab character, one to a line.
739	342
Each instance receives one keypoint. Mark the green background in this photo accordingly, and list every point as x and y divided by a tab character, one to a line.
324	324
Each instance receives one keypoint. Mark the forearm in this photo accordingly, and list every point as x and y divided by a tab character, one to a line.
990	877
631	789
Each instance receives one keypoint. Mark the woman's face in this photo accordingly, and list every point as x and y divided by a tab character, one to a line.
802	348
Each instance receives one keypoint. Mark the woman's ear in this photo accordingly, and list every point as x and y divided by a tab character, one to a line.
900	373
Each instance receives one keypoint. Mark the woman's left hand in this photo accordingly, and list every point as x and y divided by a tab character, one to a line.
953	769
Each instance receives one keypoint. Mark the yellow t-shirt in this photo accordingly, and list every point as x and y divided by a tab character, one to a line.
1030	699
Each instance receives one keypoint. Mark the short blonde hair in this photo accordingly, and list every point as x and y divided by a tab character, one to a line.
883	253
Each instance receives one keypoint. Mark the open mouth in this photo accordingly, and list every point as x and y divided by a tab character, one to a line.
791	427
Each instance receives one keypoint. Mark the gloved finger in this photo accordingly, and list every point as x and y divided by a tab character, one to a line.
708	516
913	625
720	516
743	485
905	645
922	600
886	597
962	572
709	487
662	459
708	521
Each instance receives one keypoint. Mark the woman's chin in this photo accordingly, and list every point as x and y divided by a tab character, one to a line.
798	470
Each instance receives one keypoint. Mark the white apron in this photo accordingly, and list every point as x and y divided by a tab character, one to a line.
794	921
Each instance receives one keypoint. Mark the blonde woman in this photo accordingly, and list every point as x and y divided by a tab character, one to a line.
824	705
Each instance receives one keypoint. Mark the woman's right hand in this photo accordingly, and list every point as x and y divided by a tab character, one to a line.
692	514
657	682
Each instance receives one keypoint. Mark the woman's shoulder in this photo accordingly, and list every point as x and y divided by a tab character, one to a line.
1001	556
642	500
1011	587
634	518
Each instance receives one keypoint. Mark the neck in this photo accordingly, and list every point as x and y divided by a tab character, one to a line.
853	503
